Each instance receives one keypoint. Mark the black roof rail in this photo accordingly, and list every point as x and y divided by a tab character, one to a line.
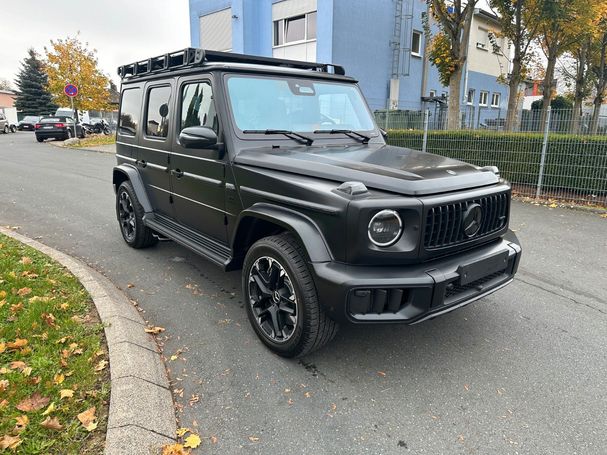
191	57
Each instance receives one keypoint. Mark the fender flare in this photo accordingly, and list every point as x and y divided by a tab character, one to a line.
304	228
125	172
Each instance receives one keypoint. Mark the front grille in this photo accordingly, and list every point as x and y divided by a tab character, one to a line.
444	222
455	292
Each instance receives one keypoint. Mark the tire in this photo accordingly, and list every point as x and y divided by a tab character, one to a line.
39	139
13	129
6	129
293	293
129	213
70	133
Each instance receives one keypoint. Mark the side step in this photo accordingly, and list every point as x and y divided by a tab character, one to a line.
214	251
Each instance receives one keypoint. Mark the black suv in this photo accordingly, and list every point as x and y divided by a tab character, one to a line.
277	168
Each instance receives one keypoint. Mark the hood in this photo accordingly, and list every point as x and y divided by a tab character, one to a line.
383	167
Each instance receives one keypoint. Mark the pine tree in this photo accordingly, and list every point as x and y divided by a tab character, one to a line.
33	97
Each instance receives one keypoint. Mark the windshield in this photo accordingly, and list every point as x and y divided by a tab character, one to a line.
279	103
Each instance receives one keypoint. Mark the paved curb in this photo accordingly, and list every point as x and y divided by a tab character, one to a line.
141	416
108	152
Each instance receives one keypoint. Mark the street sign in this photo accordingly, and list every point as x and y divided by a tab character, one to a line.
70	90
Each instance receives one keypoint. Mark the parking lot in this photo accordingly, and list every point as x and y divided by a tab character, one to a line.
521	371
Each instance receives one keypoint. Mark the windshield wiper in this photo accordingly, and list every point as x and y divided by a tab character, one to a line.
353	134
290	134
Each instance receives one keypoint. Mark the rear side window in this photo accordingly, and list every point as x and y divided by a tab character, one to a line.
198	107
130	107
157	112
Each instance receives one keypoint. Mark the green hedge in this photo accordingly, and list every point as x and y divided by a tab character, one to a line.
572	162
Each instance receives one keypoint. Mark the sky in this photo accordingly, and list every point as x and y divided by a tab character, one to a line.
121	31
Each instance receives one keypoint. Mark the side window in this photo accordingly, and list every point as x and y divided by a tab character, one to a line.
198	107
157	112
130	106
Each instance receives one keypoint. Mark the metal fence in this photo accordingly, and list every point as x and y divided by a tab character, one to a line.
541	160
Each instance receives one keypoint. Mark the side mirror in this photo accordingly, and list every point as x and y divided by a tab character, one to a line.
384	134
197	137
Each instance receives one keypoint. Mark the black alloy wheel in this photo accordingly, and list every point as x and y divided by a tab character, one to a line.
272	299
126	216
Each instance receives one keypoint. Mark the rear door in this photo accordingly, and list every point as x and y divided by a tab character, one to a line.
153	151
198	175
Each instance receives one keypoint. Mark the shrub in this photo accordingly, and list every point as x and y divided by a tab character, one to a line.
572	162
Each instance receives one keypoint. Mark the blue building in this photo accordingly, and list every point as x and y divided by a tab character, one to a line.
379	42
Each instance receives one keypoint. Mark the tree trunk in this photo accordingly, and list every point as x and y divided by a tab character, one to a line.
513	92
453	114
594	122
547	86
580	82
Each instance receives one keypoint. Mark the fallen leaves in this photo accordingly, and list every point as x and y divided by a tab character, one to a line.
88	419
101	365
21	423
66	393
24	291
25	260
50	409
58	378
49	319
10	442
51	423
154	330
192	441
175	449
17	344
253	439
33	403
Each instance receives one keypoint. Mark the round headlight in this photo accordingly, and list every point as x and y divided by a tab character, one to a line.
385	228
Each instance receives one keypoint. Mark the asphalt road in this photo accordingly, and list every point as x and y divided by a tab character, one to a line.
522	371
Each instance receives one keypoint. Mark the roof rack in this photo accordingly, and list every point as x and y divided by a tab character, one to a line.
191	57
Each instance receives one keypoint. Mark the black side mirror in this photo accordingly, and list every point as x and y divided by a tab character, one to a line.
197	137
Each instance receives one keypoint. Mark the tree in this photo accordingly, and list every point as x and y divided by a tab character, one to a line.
33	97
564	23
5	84
70	61
559	102
598	67
520	24
449	48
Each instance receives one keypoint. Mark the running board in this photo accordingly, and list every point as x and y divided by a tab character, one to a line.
214	251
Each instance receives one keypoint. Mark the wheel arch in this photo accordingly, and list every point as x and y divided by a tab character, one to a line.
262	220
125	172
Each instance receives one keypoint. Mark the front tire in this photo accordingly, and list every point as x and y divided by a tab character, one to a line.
130	217
6	129
281	298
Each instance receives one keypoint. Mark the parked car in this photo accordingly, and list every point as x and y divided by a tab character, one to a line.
5	126
28	123
61	128
277	168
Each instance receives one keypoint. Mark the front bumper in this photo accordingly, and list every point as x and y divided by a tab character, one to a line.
412	294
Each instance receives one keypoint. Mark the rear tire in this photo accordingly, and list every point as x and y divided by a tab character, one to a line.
39	139
130	217
281	298
13	129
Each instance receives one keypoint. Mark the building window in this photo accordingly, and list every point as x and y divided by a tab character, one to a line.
482	39
432	93
295	29
470	97
483	98
416	43
157	112
495	100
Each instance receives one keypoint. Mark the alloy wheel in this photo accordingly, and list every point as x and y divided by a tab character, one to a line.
272	299
126	213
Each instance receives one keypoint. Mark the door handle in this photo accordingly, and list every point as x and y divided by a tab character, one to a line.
177	173
141	163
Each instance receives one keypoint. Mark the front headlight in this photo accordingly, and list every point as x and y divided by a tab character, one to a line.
385	228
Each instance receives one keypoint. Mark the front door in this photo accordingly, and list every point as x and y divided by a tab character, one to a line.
198	175
154	146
